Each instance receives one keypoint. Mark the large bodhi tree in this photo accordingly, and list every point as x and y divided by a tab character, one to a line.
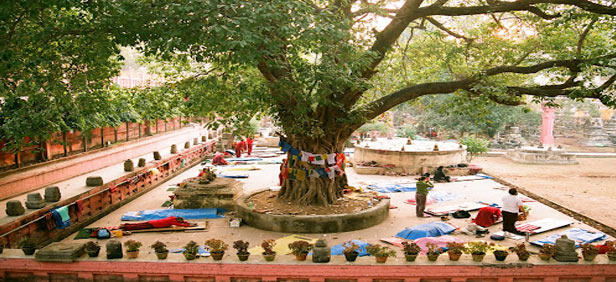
320	67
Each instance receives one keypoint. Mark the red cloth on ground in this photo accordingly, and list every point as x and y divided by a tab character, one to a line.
219	160
487	216
239	148
166	222
602	248
136	226
249	145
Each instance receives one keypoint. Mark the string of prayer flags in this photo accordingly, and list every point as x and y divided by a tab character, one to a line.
331	158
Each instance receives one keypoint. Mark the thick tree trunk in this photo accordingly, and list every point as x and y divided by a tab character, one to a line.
64	143
312	190
127	131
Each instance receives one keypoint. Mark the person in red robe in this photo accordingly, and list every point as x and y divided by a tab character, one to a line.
487	216
157	223
239	148
219	159
249	145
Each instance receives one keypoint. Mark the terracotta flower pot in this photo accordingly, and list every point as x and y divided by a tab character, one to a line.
217	255
190	256
382	259
162	255
589	257
243	257
28	251
454	256
500	256
269	257
302	256
545	257
133	254
410	257
478	257
611	256
523	257
93	253
432	257
351	256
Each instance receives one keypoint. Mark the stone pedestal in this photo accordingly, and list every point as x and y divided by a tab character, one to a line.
204	139
14	208
114	249
537	155
220	193
321	252
195	141
186	145
174	149
157	156
35	201
60	252
93	181
594	135
52	194
141	162
128	165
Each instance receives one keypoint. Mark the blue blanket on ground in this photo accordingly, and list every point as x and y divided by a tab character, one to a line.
337	249
184	213
232	176
432	229
580	236
392	188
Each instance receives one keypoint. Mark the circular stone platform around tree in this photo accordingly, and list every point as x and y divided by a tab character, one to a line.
312	223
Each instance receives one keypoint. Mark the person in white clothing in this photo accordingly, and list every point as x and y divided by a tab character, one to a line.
511	206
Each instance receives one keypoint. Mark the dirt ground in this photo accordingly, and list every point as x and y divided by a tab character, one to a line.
587	188
267	202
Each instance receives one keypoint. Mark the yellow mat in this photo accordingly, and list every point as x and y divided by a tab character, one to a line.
242	168
282	244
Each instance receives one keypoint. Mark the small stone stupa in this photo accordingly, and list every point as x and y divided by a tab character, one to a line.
595	135
207	191
565	250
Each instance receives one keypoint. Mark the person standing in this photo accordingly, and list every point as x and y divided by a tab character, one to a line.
239	148
421	194
511	206
249	145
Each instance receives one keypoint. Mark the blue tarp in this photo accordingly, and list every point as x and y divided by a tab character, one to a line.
483	175
232	176
184	213
580	236
392	188
243	159
433	229
337	249
442	196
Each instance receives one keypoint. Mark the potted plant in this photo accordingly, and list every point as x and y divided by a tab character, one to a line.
242	249
433	251
190	250
500	255
521	251
27	245
411	250
477	249
546	252
268	253
160	249
300	249
589	252
92	249
455	250
217	248
132	248
611	250
380	253
350	251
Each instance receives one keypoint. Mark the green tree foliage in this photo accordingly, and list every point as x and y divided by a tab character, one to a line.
474	146
406	131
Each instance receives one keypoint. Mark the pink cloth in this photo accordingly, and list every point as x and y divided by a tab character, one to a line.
440	241
429	201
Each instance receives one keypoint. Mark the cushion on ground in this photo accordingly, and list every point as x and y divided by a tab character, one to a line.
433	229
579	235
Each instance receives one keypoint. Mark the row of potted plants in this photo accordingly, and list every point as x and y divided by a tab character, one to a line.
301	249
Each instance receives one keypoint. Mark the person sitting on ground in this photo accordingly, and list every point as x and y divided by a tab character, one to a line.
422	194
487	216
219	159
439	175
157	223
511	207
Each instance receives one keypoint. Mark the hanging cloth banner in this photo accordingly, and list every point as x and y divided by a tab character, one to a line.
331	158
